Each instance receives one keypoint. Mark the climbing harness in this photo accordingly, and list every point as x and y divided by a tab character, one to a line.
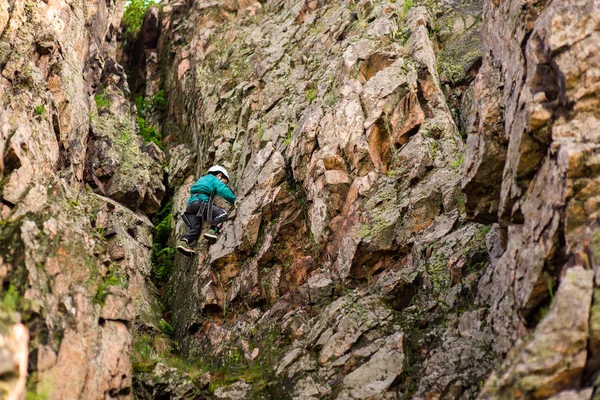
200	213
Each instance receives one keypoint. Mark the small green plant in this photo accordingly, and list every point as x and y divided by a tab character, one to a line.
166	327
114	277
586	259
460	200
144	108
260	130
162	264
163	213
402	34
330	99
360	12
101	294
433	149
549	284
456	164
143	356
163	230
40	110
452	72
31	395
101	101
311	94
101	233
11	299
288	136
162	255
407	6
149	133
159	101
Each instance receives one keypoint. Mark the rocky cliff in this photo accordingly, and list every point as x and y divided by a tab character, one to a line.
350	268
530	167
416	200
76	182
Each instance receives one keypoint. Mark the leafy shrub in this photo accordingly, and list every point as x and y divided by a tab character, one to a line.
149	133
162	255
159	102
133	18
144	108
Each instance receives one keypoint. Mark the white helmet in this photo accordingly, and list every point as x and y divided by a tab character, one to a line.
218	168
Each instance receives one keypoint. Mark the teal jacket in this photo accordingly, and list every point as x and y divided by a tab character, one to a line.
210	186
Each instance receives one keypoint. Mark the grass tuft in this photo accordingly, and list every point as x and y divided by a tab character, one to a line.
40	110
101	101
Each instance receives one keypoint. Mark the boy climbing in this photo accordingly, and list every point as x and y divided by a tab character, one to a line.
200	207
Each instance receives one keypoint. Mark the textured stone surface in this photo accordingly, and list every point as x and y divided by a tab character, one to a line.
573	395
14	338
352	266
237	391
333	122
530	156
335	336
74	263
163	380
554	356
528	166
464	356
376	375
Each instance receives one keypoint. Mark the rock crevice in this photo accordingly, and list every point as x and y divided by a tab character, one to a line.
416	213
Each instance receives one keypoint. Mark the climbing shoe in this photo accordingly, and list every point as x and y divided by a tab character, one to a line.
185	248
211	235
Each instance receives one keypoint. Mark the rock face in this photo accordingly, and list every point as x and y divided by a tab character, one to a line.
554	357
529	166
73	261
349	258
372	253
14	339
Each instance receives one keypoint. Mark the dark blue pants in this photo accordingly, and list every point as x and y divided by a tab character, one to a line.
193	217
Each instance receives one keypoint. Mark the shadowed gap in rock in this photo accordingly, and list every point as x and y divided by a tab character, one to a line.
11	161
212	310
